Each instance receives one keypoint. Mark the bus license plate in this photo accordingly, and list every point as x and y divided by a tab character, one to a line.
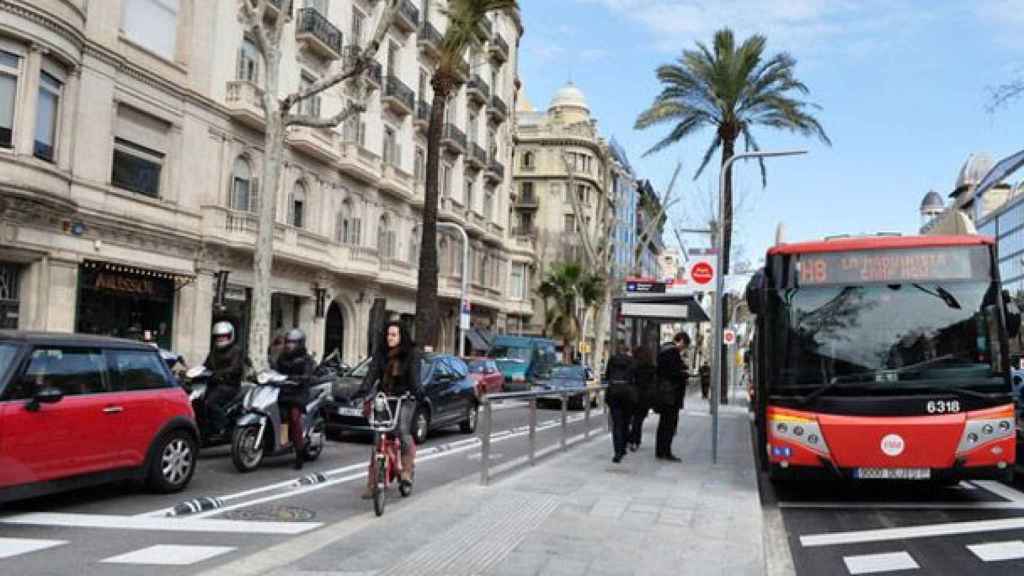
349	411
893	473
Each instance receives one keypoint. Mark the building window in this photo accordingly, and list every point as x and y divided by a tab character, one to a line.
485	270
528	160
244	190
518	282
354	129
424	82
527	191
468	196
583	194
310	106
392	152
358	22
420	167
446	181
152	24
385	238
414	245
489	205
318	5
47	114
393	62
248	62
471	126
569	223
10	65
297	206
140	146
443	258
348	228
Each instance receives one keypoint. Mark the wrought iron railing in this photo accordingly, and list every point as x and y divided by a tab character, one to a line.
477	83
453	135
313	22
498	106
496	168
430	34
423	109
499	45
395	88
409	11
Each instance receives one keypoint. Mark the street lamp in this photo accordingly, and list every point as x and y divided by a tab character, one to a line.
716	356
465	281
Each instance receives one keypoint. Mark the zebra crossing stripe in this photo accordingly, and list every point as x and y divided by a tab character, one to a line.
998	551
875	563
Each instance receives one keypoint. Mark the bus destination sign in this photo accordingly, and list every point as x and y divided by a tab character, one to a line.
892	266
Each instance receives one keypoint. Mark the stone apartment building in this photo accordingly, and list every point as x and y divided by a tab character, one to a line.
130	149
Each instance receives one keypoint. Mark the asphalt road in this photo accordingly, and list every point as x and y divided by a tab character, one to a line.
122	529
911	528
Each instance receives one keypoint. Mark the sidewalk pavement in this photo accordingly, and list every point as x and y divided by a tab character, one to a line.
572	514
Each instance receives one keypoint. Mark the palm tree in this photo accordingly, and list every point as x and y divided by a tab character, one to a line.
731	90
464	18
568	287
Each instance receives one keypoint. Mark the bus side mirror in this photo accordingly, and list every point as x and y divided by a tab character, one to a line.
1012	314
754	292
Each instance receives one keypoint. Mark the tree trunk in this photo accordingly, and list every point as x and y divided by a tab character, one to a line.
427	310
263	256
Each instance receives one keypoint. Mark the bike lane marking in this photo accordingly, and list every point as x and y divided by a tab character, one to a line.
110	521
925	531
467	445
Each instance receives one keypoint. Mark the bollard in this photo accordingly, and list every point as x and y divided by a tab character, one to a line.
533	429
485	444
565	421
586	417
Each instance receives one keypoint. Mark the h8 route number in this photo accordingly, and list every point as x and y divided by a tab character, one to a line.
943	406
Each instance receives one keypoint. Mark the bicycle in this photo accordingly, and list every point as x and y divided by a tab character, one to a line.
386	463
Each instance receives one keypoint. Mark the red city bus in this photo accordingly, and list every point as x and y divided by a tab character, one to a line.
884	358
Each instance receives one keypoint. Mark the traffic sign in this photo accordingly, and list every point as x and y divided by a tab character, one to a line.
464	321
729	337
702	272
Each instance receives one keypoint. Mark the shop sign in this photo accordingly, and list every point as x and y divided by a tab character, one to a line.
128	284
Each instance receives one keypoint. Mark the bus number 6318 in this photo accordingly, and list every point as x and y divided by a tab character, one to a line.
943	406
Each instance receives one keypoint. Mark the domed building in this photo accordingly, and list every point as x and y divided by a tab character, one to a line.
931	207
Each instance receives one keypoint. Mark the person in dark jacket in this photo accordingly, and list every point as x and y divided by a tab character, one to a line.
671	388
395	370
620	398
645	372
227	363
295	363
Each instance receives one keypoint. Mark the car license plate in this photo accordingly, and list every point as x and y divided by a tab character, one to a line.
893	473
349	411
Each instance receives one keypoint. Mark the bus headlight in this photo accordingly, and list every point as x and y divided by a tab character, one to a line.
801	430
986	426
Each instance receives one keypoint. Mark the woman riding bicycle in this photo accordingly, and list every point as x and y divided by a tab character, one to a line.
395	371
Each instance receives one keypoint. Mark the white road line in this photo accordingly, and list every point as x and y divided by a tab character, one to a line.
159	524
1001	490
926	531
875	563
11	547
902	505
169	555
467	446
998	551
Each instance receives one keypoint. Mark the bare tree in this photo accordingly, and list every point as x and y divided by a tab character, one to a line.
268	35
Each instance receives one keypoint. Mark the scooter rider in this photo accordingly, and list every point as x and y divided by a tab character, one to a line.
295	363
227	363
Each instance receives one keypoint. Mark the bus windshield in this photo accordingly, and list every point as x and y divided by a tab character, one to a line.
887	337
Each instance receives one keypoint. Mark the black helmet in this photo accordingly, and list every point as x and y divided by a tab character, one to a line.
223	334
295	340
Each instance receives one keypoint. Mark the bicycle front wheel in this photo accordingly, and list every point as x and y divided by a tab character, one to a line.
380	489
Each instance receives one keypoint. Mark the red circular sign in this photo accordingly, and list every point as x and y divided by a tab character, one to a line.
702	272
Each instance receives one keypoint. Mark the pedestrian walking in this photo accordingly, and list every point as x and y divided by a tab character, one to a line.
672	373
645	374
621	398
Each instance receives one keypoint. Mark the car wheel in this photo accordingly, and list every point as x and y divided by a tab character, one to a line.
174	462
421	425
468	426
317	435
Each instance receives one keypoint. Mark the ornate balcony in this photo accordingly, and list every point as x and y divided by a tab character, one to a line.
477	89
360	163
397	181
315	33
498	48
484	29
430	40
408	17
453	139
398	97
528	201
497	109
495	171
477	157
318	142
243	99
423	109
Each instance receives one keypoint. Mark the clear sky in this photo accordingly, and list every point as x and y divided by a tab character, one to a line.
903	86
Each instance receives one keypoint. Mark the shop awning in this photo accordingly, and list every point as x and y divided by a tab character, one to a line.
180	279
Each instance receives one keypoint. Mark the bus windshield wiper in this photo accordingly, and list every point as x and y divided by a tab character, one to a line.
837	380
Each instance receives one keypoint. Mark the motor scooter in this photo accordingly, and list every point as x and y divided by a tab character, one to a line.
197	382
260	430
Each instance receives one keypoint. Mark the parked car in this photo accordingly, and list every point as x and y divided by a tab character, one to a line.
79	410
522	358
563	377
450	399
489	380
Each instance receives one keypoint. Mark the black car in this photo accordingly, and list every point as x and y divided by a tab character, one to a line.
450	399
562	377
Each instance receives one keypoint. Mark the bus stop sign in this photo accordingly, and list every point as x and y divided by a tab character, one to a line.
728	337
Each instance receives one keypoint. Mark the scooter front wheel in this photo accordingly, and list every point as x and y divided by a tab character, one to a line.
245	454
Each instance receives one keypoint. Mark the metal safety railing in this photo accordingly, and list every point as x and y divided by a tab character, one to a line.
486	427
